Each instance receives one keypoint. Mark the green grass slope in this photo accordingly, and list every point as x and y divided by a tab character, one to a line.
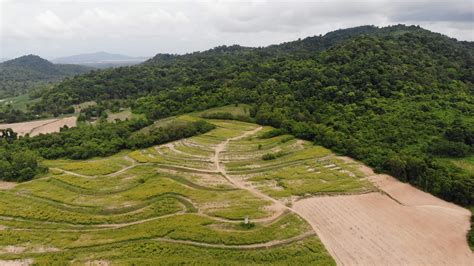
174	202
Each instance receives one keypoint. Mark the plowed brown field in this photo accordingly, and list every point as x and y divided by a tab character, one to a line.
41	126
399	226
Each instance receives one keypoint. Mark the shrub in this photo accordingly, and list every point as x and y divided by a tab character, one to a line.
272	156
247	225
287	138
272	133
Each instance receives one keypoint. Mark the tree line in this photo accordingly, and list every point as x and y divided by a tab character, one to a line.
20	156
394	98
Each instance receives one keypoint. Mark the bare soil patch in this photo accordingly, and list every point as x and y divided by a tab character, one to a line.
25	127
408	195
13	249
54	126
97	263
7	185
40	126
367	171
24	262
374	229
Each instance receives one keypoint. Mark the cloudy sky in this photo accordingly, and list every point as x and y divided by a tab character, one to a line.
54	28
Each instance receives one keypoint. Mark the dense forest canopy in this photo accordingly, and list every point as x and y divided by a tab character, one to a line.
397	98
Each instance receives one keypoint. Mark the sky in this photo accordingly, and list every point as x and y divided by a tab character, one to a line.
56	28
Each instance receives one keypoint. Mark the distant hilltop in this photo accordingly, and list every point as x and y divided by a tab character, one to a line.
19	75
100	59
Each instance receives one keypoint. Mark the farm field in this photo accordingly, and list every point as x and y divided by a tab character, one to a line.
187	202
37	127
173	201
373	229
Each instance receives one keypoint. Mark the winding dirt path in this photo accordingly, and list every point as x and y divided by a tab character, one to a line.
108	226
172	147
269	244
21	262
165	166
277	206
96	176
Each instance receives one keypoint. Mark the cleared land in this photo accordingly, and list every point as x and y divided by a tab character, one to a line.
41	126
122	115
185	202
401	226
7	185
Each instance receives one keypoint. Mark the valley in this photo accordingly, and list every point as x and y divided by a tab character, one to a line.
188	201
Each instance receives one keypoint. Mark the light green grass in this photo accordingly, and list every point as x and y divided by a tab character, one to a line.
96	166
119	207
240	109
122	115
465	164
19	102
150	252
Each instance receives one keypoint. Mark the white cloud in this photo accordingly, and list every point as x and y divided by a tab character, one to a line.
54	28
50	21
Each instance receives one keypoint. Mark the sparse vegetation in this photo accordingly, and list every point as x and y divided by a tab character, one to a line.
124	201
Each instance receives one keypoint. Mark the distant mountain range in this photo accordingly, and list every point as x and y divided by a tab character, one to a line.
19	75
100	60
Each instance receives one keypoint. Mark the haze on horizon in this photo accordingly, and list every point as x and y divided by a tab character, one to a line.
57	28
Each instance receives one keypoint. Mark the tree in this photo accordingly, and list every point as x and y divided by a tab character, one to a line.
396	166
8	134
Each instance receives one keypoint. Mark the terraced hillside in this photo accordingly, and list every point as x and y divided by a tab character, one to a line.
238	194
184	201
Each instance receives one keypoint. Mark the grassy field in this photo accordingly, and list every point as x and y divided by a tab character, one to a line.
20	102
181	202
122	115
465	164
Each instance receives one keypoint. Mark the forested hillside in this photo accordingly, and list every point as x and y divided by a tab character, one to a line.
397	98
19	75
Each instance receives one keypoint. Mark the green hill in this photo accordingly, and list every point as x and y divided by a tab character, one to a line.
390	97
19	75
